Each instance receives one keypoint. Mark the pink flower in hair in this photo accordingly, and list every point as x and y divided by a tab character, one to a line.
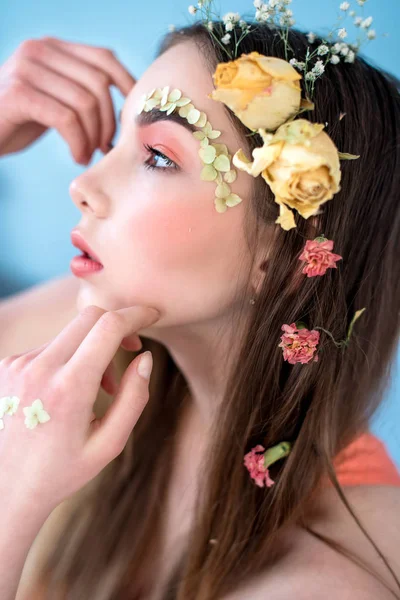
318	256
299	344
254	462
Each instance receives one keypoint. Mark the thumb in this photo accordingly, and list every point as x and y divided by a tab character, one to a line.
112	431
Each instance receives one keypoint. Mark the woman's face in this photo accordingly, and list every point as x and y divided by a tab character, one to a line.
157	233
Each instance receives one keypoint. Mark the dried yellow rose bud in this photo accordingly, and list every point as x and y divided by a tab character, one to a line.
301	165
262	91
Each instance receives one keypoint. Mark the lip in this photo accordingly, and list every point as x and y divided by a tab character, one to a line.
79	242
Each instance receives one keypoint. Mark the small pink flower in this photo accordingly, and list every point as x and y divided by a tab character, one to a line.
318	256
254	462
299	345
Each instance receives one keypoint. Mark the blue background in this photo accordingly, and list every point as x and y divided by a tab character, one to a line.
36	212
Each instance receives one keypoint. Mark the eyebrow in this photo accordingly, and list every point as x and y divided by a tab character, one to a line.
153	116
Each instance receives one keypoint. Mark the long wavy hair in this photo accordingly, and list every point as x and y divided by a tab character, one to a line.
320	407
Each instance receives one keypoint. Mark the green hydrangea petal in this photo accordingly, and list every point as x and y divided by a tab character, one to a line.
183	101
158	93
221	149
199	135
185	110
166	106
202	120
214	134
223	190
165	93
208	173
193	116
204	143
232	200
220	205
230	176
222	163
207	128
207	154
174	95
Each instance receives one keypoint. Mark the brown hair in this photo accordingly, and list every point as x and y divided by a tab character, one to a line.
320	407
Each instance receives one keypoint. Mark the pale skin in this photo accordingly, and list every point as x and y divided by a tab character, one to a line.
191	261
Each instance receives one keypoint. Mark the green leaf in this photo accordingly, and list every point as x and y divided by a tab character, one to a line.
346	156
357	315
272	455
174	95
193	116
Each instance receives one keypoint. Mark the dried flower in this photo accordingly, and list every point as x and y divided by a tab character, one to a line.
301	165
226	39
263	91
254	462
335	59
319	257
35	414
366	23
371	35
192	9
299	345
342	33
345	6
8	405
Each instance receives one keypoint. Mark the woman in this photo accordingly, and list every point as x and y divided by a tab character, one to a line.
176	515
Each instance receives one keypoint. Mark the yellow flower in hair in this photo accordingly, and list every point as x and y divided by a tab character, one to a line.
262	91
301	165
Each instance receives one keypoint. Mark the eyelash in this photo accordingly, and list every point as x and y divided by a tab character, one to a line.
173	166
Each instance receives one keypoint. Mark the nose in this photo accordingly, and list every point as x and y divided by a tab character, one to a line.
88	197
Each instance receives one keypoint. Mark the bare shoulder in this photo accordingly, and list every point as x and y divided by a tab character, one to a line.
312	569
36	315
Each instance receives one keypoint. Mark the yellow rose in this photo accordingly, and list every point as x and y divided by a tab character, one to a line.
262	91
301	165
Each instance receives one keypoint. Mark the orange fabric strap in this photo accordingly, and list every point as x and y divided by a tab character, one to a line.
366	462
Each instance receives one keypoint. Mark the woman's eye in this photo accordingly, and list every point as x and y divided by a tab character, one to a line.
158	160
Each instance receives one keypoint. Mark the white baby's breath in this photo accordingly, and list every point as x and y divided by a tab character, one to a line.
342	33
352	13
311	37
192	9
335	59
226	39
357	21
210	26
361	2
366	23
322	50
350	57
171	27
257	3
345	6
371	35
318	68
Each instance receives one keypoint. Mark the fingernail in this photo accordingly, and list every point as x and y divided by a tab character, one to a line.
145	365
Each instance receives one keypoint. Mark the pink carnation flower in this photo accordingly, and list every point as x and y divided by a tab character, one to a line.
318	257
254	462
299	345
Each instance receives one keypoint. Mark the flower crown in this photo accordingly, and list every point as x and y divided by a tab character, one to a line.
298	160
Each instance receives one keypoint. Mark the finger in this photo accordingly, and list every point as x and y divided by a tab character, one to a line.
92	78
64	345
112	432
70	93
98	348
109	382
40	107
102	58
